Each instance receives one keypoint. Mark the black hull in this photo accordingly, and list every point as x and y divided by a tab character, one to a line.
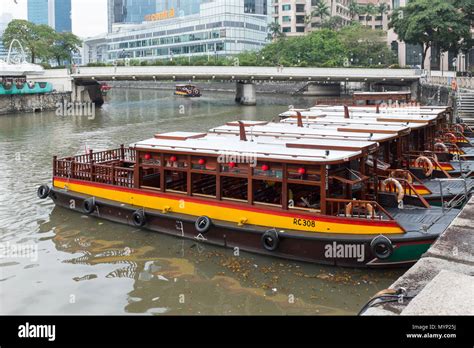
298	246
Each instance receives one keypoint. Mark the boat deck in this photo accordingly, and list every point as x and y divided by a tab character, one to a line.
433	220
450	187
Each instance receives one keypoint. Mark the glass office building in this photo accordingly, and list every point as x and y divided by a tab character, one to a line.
55	13
186	28
38	11
62	15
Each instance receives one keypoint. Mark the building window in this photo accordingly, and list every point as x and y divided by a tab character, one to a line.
300	8
300	29
286	7
286	29
286	19
300	19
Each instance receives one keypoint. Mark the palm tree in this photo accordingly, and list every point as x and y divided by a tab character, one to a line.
370	10
354	9
321	10
383	8
274	31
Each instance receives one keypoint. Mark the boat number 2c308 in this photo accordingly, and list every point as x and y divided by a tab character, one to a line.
304	222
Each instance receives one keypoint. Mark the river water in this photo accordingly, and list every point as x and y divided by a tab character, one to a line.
53	261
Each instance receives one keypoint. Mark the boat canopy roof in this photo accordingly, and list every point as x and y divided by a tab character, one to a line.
313	143
407	110
362	121
216	146
382	116
282	130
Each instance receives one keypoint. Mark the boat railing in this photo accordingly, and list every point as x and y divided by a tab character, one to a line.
120	154
361	209
407	185
107	167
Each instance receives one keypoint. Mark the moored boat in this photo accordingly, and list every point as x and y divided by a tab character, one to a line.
303	199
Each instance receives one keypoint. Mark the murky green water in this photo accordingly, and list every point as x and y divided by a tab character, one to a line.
87	266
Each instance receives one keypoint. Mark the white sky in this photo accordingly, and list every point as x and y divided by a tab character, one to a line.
89	17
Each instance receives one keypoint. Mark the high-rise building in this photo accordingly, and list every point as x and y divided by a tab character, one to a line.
4	20
138	11
176	28
55	13
297	17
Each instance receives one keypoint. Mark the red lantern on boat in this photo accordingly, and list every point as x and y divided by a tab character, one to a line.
232	164
265	168
173	159
301	171
147	156
202	161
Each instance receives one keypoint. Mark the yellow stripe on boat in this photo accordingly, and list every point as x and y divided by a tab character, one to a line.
221	211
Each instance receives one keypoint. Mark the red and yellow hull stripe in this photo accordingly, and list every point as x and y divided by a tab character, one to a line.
420	189
231	212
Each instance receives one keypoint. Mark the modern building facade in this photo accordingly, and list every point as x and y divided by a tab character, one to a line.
4	20
189	28
298	17
55	13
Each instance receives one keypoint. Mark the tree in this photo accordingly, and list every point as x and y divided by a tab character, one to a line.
429	23
354	9
366	46
383	8
370	10
333	23
321	10
35	39
65	45
274	31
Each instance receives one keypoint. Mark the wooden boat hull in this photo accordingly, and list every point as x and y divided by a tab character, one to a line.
293	245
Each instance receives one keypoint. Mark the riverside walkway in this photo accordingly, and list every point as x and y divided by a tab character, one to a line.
442	281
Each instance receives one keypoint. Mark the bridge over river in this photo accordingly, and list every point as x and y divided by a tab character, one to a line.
244	76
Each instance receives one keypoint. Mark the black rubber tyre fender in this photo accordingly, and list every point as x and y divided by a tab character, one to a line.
203	224
270	240
139	218
43	191
381	247
89	206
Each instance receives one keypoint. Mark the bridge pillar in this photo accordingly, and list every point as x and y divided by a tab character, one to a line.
87	94
245	93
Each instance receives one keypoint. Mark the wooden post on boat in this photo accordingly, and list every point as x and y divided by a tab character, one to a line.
284	187
323	188
218	181
346	111
162	172
377	109
250	185
112	174
55	159
91	160
299	118
189	183
137	170
243	136
122	152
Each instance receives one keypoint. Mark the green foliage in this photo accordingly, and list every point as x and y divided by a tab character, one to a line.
366	46
326	48
41	41
432	22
